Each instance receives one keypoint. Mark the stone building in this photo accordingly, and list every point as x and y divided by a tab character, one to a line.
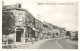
62	32
46	30
59	32
30	26
56	33
39	27
19	24
74	35
50	30
17	15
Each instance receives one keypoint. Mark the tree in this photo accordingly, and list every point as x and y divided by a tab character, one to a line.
8	22
68	33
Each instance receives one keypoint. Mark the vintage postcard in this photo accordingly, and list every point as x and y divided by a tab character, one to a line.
40	24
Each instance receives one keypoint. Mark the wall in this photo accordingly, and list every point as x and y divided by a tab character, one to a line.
39	26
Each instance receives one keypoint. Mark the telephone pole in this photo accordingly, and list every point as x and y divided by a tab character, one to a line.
38	16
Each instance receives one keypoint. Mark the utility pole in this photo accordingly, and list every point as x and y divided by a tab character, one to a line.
38	11
38	16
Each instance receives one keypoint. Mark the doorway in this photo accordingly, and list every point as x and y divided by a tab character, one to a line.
18	36
33	33
19	32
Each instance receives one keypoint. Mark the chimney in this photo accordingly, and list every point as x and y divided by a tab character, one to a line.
2	3
18	5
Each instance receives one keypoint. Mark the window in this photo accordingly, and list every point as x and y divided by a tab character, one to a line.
56	33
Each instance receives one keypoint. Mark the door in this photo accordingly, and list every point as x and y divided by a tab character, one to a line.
33	33
18	36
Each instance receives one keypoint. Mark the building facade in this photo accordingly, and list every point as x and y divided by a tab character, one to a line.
20	25
20	21
56	33
17	16
39	27
46	31
62	32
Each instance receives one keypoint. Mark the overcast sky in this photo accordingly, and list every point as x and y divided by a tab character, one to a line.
61	15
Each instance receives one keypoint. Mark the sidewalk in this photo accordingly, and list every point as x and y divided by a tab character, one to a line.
29	45
72	41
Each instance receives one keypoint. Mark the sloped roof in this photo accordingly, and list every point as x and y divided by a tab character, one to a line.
12	7
51	26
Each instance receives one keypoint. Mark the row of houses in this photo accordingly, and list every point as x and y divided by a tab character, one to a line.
73	35
54	31
20	25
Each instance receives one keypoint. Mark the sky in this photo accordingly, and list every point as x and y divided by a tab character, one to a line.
55	12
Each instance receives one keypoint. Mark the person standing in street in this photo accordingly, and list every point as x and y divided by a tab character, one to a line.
33	40
43	37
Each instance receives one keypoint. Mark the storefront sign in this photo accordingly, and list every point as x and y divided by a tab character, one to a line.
19	17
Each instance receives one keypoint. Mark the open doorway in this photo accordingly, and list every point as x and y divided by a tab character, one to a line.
18	35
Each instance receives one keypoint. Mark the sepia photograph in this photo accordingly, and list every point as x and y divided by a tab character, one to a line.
41	24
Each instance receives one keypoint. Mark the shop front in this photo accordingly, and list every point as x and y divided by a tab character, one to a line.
31	33
20	34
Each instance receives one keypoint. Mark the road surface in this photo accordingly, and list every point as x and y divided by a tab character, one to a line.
58	44
50	44
55	43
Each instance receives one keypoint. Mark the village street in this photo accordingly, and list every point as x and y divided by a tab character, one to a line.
55	43
37	25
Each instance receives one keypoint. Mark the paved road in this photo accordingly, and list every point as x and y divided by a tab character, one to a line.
54	43
58	44
67	45
50	44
